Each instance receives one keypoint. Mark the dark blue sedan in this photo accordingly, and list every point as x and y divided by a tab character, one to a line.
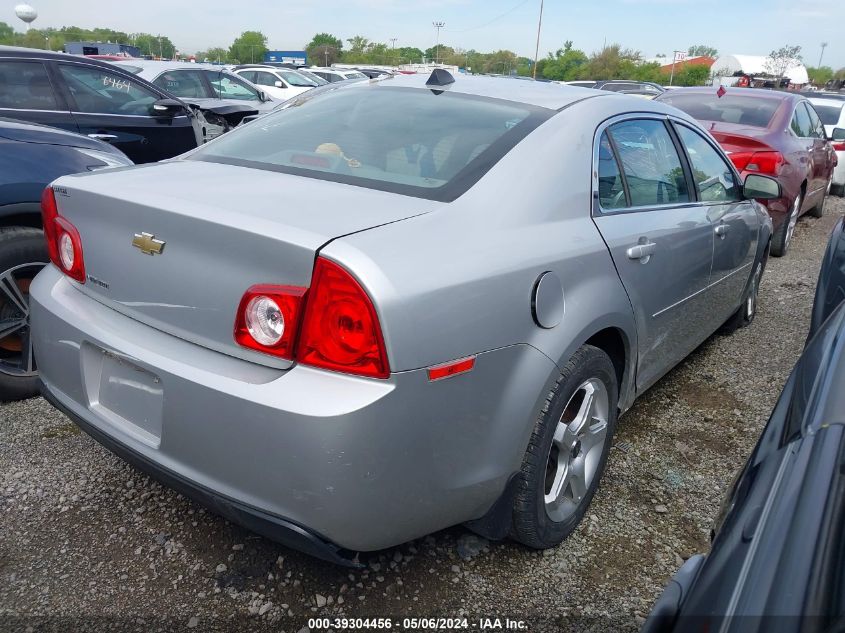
31	156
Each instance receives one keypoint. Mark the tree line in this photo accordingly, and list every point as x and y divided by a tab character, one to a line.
567	63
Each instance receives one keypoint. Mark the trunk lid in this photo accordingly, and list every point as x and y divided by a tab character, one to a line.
224	229
734	137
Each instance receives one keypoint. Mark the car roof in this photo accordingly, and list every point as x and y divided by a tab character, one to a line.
36	53
534	93
154	64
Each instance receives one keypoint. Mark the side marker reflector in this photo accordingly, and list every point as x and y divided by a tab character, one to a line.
450	369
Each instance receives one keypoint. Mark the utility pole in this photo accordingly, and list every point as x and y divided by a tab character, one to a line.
824	46
674	59
537	48
393	48
438	26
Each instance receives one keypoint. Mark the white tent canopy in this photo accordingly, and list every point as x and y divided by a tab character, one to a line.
757	65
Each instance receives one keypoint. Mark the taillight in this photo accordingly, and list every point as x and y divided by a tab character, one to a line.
340	327
64	244
268	319
766	162
332	325
839	147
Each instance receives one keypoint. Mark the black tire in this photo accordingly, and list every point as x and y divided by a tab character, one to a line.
23	252
818	210
532	524
747	310
782	237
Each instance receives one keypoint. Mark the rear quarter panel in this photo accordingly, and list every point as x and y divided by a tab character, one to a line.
460	280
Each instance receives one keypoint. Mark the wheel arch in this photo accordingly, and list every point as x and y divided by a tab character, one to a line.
21	214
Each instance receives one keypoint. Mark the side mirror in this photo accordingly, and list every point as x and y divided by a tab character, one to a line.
167	107
761	187
262	96
838	134
278	84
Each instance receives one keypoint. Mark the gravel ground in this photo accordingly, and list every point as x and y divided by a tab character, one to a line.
87	541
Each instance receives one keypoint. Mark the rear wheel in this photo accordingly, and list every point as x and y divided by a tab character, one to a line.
567	452
748	308
23	253
818	210
783	236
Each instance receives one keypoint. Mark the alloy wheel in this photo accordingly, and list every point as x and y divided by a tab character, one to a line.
753	292
793	218
16	357
576	450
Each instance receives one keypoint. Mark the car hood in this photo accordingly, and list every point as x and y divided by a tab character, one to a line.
25	132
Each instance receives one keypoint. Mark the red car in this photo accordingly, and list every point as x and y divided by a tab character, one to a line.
768	132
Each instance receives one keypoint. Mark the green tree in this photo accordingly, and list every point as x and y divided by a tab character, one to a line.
154	45
699	50
440	53
250	47
615	62
7	34
688	75
820	76
324	49
214	54
407	55
564	64
780	60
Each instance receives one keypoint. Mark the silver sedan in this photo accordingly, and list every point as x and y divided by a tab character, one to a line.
398	306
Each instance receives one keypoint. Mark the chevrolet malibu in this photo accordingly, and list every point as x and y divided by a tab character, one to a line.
346	335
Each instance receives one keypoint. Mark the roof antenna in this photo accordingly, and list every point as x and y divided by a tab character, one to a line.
440	77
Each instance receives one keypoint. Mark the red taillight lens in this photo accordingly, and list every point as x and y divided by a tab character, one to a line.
64	244
839	147
767	162
49	213
268	319
340	327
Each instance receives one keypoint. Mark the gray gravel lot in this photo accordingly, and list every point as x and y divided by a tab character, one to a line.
87	541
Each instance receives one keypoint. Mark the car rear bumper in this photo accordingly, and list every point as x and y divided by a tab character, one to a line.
321	461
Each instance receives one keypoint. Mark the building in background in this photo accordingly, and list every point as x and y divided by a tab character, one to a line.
102	48
298	58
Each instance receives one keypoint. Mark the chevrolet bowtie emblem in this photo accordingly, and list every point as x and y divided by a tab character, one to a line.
148	244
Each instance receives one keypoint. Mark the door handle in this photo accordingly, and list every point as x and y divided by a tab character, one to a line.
641	251
103	137
722	230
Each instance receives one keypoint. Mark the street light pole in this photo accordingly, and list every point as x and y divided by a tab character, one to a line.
824	46
537	48
438	26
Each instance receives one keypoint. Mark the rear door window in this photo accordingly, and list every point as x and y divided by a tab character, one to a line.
829	114
650	162
712	175
231	87
97	91
264	78
611	188
817	129
801	124
25	85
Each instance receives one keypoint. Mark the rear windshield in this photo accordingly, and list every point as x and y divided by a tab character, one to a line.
829	114
740	109
405	140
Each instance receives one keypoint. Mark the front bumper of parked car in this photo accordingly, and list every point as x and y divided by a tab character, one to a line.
321	461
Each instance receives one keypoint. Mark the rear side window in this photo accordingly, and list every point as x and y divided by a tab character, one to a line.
25	86
712	175
650	162
262	78
183	83
611	188
98	91
800	123
425	144
754	111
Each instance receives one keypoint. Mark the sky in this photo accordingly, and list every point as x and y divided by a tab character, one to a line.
753	27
